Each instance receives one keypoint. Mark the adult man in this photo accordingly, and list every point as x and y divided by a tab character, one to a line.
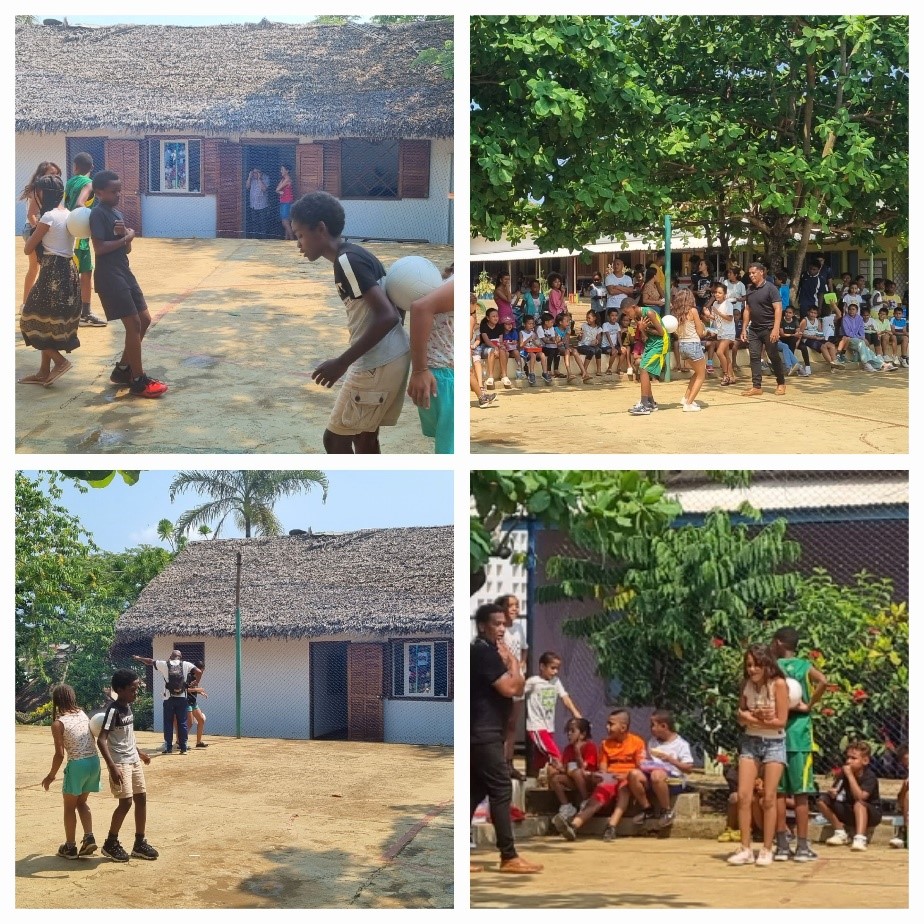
618	285
515	640
496	677
175	672
760	328
257	185
811	288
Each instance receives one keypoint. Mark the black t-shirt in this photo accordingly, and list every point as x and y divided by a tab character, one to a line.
789	328
867	781
494	333
702	288
490	710
761	300
110	267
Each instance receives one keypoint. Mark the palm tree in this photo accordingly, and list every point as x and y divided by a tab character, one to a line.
247	496
205	530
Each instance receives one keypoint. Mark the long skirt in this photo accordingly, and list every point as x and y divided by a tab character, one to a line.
52	311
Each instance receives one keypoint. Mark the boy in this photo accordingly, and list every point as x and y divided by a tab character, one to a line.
375	365
612	340
117	746
542	693
78	193
510	347
620	760
798	778
118	290
491	332
900	332
671	759
853	799
657	344
530	349
430	386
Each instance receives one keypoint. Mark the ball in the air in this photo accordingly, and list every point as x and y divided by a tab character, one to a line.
669	323
78	222
411	278
795	692
96	724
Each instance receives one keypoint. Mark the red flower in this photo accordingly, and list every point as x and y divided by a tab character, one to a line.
718	643
859	695
827	711
814	654
721	758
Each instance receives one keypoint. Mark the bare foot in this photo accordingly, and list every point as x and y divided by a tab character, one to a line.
57	371
34	379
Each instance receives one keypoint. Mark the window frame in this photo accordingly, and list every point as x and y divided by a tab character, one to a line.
403	644
160	141
367	198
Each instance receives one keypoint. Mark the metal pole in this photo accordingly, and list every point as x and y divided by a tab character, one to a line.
667	288
237	649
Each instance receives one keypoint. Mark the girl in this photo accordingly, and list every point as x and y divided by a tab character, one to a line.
556	297
475	377
763	709
789	337
690	334
724	312
612	342
286	193
492	353
651	292
813	338
579	760
52	311
503	298
70	729
830	325
530	349
33	213
534	301
589	345
195	713
550	341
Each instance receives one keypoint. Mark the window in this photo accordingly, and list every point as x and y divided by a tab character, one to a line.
421	669
175	166
369	169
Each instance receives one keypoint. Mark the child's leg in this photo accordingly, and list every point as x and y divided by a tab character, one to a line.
645	383
660	790
731	814
823	805
598	357
747	773
141	814
722	353
475	380
622	803
697	379
579	781
70	817
118	816
560	784
86	818
200	725
367	444
135	330
860	817
638	788
773	772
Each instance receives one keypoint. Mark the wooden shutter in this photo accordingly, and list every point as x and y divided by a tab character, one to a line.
309	169
331	174
229	188
210	171
124	157
366	713
414	170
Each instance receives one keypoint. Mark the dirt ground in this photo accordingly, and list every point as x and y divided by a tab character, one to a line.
689	873
254	823
857	412
238	326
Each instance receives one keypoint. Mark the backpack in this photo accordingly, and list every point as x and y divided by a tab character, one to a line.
176	682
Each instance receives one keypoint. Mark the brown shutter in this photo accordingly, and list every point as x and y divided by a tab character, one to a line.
414	170
230	190
124	158
309	169
210	169
331	167
366	713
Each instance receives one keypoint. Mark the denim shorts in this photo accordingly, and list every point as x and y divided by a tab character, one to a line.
765	750
691	349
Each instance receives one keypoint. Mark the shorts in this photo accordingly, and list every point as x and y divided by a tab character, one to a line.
589	350
545	744
764	750
83	257
81	776
692	350
437	421
486	350
370	398
653	359
637	349
121	297
285	210
132	781
815	345
607	791
843	812
799	775
872	339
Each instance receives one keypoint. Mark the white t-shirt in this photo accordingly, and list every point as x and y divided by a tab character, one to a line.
613	332
827	325
515	639
735	292
161	668
528	338
614	301
546	337
724	328
541	696
590	334
679	749
57	240
852	300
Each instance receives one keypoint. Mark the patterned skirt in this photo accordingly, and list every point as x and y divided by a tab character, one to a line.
52	311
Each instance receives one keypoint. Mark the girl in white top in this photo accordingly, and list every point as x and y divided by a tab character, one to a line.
589	344
763	710
735	288
530	346
689	334
70	729
724	311
612	341
852	297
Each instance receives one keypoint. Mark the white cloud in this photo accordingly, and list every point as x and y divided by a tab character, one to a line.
146	536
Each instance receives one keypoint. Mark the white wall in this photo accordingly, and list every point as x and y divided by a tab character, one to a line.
179	216
31	149
418	722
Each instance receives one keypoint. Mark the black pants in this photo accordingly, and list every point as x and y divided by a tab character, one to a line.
803	349
175	706
758	338
490	776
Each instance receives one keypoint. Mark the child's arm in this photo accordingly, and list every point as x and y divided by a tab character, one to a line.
101	247
745	716
57	733
102	742
859	795
35	238
422	385
569	705
819	687
84	194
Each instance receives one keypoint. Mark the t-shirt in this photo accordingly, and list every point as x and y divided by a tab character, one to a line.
784	295
356	271
258	192
614	301
852	300
528	338
611	334
899	325
736	292
799	724
597	298
881	327
111	268
162	668
810	288
621	756
588	752
762	696
590	334
702	288
489	709
760	300
72	190
868	783
541	697
57	240
119	721
678	748
75	735
515	639
547	336
789	327
494	333
556	302
510	338
725	327
827	325
869	325
440	343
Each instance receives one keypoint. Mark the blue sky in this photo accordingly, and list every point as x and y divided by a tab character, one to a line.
120	516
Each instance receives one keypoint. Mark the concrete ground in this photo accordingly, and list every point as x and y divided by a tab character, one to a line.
840	412
238	327
253	823
689	873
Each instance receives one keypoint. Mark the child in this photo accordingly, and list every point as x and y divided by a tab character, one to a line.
901	801
79	193
374	367
790	336
431	385
763	707
852	297
900	333
503	298
531	350
887	343
891	299
631	343
798	780
690	333
567	347
52	310
657	345
510	346
193	691
598	298
670	758
589	344
70	729
286	193
534	302
476	380
853	340
118	290
550	341
33	214
869	329
542	693
491	332
612	341
579	767
126	776
724	310
853	800
813	338
556	297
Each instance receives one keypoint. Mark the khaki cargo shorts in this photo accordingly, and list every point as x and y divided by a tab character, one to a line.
370	398
132	781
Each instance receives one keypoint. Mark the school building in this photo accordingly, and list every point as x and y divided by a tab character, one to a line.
183	114
343	636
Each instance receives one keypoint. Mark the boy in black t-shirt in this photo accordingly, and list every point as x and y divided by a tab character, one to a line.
853	800
375	366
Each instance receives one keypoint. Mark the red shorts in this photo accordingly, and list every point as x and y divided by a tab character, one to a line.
545	745
606	792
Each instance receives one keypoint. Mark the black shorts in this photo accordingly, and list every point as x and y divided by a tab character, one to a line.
815	345
843	812
589	350
873	339
121	298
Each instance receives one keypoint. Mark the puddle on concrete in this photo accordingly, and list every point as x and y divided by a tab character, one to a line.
200	362
102	439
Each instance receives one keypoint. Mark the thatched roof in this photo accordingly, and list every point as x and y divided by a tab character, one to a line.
320	81
377	582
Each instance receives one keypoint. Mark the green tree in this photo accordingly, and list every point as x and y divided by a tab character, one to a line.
171	534
247	497
101	478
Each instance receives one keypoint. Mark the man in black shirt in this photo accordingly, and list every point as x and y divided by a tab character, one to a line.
760	328
496	678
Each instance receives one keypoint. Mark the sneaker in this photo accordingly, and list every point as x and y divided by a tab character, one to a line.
728	835
793	368
506	382
68	851
91	320
609	833
489	383
531	378
146	387
859	842
805	370
683	400
692	406
486	400
903	362
167	750
183	750
641	817
519	375
665	819
143	850
564	827
653	405
640	410
804	855
781	854
838	839
888	367
742	857
547	378
764	857
838	366
87	846
897	842
869	367
567	811
114	850
201	745
840	361
121	375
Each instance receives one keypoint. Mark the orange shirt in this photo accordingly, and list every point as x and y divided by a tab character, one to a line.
621	756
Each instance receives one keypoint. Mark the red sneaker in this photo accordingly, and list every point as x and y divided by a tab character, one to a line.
146	387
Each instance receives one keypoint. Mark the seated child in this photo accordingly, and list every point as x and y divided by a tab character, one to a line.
869	329
510	343
611	342
900	333
542	692
853	800
590	344
549	341
669	759
530	349
567	348
888	349
579	768
901	800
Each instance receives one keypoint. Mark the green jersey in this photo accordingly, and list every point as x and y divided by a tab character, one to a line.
799	725
72	191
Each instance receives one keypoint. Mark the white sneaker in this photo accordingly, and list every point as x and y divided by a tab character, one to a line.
888	367
840	838
764	858
859	842
683	401
793	368
869	367
742	857
897	842
692	406
805	370
489	383
903	361
506	382
567	811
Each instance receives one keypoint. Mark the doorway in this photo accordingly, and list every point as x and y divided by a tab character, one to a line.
328	684
267	157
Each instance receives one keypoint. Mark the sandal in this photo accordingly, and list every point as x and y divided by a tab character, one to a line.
57	372
34	379
725	380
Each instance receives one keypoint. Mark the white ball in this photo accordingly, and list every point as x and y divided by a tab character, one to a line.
411	278
795	692
78	222
96	724
669	323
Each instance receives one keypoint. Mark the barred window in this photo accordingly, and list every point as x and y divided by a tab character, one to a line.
421	669
369	169
175	165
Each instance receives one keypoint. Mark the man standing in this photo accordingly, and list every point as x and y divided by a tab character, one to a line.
760	328
618	285
174	671
257	186
811	288
496	678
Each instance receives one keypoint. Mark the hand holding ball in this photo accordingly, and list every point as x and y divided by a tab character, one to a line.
411	278
78	223
669	323
795	692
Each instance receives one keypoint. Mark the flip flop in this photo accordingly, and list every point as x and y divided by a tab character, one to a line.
57	372
34	379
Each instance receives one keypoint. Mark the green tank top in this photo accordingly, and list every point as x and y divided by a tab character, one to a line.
799	725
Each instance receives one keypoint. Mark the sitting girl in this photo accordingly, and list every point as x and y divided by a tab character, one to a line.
579	760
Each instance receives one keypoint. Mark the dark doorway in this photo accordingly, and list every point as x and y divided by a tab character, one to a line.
328	685
266	157
94	146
